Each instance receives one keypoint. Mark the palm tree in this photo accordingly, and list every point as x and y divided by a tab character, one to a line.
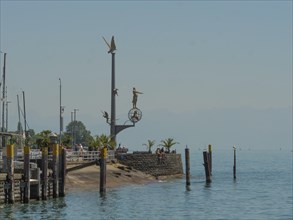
104	140
43	138
168	143
94	144
149	145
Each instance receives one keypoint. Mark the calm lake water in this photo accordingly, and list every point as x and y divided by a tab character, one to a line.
262	190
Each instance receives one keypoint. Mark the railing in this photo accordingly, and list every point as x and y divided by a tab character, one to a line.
73	156
87	156
77	156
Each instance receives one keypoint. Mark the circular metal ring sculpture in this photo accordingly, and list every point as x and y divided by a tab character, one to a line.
134	115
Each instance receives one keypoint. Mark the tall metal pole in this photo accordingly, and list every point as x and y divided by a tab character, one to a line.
19	126
113	102
60	115
114	129
7	115
3	103
72	127
24	115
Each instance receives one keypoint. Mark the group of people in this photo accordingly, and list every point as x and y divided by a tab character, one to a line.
121	149
161	154
78	147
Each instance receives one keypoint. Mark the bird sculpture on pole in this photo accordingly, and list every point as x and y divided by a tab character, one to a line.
112	46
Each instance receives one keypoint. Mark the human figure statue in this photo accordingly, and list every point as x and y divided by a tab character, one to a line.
135	94
135	115
115	92
106	115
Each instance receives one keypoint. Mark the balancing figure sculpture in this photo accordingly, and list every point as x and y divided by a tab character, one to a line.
134	115
135	94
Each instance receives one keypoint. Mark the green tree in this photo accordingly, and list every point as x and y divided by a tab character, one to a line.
103	140
31	132
149	145
168	143
94	144
80	134
66	140
43	139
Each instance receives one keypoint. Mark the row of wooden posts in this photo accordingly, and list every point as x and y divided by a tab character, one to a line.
57	178
207	159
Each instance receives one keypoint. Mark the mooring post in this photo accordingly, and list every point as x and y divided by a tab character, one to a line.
44	173
26	169
187	166
62	172
234	166
103	170
39	181
206	166
55	148
10	172
210	158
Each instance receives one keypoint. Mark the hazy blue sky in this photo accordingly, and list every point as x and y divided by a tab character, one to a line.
216	72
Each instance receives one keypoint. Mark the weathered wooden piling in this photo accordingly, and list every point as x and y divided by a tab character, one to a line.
206	166
44	173
62	172
10	173
38	185
103	169
210	158
55	169
187	166
234	166
26	164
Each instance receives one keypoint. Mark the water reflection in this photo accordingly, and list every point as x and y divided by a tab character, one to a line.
208	185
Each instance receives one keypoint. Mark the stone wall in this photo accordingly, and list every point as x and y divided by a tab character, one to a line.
148	163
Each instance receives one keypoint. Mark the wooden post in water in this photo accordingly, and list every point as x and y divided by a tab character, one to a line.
55	147
187	166
26	160
234	166
210	158
38	186
44	173
10	172
62	172
103	170
206	166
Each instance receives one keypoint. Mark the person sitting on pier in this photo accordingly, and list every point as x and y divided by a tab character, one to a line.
162	152
159	155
